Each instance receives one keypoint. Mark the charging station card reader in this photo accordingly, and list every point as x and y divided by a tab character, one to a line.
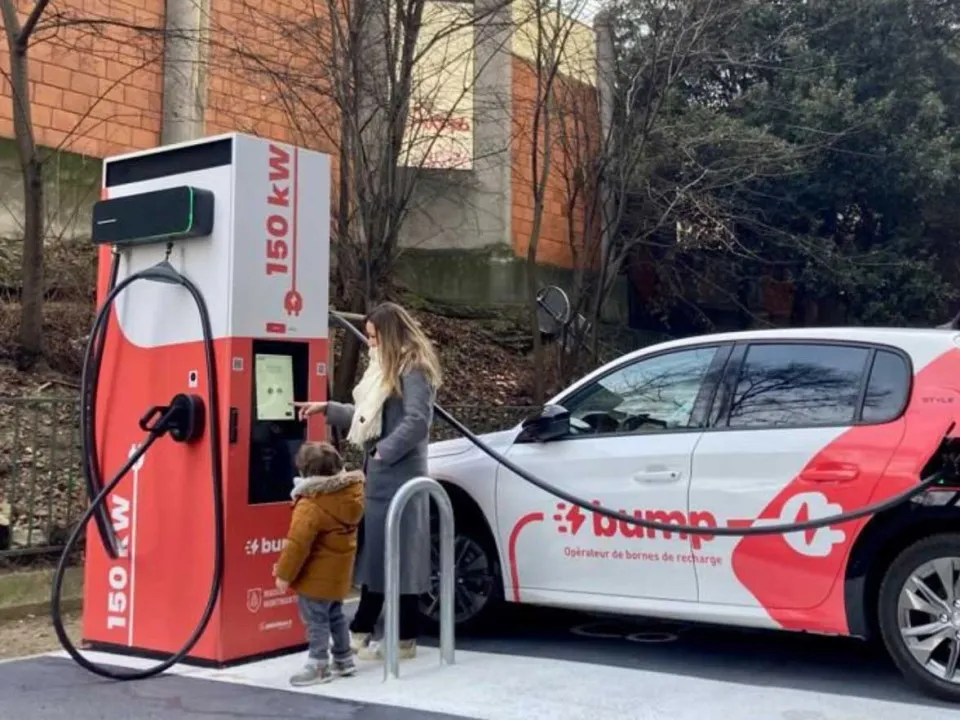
279	379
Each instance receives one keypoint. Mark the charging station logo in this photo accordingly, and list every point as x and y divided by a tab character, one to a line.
281	225
817	542
263	546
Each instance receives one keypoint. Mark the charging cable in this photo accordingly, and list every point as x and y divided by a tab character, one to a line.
168	423
778	529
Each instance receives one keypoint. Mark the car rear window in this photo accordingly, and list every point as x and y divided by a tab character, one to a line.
887	388
798	385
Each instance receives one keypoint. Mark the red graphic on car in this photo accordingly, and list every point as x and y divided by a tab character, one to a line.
799	578
570	520
528	519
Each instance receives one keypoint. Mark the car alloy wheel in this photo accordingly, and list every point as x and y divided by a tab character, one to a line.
474	580
928	617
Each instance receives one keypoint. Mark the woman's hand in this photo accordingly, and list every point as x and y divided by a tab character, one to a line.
309	408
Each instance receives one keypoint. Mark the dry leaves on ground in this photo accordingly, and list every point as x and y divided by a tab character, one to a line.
34	634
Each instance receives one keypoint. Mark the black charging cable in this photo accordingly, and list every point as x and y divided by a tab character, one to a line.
92	475
778	529
165	273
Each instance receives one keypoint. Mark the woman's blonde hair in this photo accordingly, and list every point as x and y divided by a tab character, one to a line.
403	346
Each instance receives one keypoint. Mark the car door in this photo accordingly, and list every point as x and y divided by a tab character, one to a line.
633	432
805	429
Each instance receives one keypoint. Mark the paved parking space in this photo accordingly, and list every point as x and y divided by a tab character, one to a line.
544	664
54	688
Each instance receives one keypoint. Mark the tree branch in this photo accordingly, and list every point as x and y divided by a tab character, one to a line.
23	37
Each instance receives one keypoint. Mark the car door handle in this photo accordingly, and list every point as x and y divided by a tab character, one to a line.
657	476
831	473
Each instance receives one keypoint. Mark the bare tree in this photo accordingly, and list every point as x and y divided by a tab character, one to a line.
554	58
385	86
647	164
583	140
44	23
31	168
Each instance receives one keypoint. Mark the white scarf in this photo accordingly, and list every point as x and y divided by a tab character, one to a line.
369	395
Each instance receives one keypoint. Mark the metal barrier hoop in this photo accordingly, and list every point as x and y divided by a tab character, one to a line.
391	631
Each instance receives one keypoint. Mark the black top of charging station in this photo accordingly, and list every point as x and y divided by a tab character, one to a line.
166	215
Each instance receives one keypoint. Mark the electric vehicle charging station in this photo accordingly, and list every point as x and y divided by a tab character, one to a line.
246	220
226	222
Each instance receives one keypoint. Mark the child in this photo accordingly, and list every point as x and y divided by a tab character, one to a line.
318	557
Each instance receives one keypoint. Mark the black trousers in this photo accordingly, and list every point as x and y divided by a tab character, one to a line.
370	607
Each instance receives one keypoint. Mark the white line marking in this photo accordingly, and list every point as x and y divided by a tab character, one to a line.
133	543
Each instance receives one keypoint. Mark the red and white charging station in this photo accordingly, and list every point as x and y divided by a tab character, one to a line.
263	269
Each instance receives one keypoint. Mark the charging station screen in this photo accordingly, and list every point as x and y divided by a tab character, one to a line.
273	375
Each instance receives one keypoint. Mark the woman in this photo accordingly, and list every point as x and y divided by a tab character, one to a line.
390	420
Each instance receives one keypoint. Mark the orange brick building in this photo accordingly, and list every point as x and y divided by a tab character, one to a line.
97	88
569	234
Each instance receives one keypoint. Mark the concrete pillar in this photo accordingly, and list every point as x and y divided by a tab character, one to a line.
492	126
470	209
606	65
184	70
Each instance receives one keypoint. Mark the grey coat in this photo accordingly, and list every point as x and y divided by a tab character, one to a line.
401	456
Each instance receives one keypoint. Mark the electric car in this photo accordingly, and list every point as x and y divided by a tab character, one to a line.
734	430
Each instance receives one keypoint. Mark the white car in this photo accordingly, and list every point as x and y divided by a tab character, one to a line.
733	430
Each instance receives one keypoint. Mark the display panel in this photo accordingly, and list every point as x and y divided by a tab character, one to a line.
279	379
273	378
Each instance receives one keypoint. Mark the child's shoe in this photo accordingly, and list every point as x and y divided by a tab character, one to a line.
374	651
359	641
344	668
312	674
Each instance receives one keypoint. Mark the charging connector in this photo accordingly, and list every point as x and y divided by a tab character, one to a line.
183	418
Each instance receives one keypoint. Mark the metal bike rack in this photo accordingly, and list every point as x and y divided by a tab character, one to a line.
391	631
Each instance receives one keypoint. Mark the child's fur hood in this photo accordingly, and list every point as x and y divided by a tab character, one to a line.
325	484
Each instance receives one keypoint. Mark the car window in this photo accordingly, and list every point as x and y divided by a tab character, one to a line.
651	395
887	388
798	385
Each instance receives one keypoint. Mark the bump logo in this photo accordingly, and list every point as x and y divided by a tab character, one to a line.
818	542
263	546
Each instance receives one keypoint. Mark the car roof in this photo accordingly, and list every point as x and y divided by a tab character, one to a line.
882	335
875	334
903	338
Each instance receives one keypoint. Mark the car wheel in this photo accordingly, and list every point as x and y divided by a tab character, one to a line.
919	615
477	580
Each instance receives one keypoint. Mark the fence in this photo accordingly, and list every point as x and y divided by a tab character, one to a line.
41	482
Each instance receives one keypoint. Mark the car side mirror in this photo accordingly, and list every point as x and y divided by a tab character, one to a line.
550	423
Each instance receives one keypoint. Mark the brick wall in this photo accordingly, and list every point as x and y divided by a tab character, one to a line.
569	231
96	85
267	65
96	89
